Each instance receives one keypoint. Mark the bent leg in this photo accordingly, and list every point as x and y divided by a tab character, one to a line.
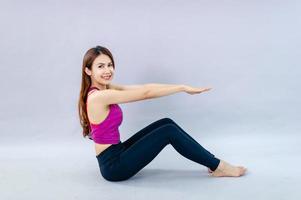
144	150
153	126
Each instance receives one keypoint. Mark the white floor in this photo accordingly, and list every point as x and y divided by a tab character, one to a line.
67	169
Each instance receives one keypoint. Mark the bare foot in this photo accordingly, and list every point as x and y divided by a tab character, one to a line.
226	169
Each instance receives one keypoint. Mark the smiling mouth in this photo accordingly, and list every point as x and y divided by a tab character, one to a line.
106	77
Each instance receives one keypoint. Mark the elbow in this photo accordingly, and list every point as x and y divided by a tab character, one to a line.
148	90
147	94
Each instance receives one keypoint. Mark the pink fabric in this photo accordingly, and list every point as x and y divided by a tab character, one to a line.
107	131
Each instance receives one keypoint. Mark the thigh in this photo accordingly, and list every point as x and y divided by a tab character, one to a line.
146	148
133	139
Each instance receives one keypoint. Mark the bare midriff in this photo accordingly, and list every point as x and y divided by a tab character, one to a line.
101	147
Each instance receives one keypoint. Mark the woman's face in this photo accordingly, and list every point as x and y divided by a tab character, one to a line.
102	70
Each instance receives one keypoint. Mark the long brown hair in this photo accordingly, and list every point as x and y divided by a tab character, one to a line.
88	60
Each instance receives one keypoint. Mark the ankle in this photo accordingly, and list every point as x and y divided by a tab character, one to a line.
221	165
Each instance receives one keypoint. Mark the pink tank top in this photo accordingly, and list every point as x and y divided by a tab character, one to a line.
107	131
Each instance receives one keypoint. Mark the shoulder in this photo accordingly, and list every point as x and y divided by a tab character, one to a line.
95	97
91	96
93	104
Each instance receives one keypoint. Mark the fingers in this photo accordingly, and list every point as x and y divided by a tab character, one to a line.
198	90
206	89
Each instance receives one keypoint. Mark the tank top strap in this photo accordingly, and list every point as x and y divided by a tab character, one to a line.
92	88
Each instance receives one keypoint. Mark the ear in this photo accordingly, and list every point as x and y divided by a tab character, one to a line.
88	71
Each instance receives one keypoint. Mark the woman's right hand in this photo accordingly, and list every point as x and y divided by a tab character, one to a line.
195	90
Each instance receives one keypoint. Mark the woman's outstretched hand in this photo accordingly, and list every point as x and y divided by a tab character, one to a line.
195	90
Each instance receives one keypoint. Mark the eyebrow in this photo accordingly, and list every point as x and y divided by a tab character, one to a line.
104	63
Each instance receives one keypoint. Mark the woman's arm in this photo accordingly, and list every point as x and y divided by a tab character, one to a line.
125	87
132	87
157	90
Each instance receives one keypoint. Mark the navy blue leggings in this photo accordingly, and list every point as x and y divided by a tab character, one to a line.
123	160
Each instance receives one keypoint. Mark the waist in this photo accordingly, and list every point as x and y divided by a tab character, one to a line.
100	147
110	152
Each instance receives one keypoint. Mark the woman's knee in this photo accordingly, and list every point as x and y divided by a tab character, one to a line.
170	129
167	120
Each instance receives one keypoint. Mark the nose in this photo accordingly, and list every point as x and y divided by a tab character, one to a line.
107	69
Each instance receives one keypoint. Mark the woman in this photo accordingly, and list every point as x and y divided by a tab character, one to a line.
100	117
